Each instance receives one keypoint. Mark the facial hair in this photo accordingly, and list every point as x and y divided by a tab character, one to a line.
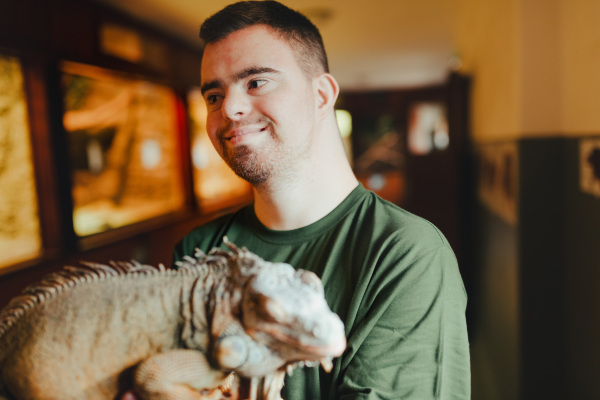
254	165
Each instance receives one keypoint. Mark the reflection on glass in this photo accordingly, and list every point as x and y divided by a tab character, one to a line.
215	184
379	155
428	128
122	149
19	223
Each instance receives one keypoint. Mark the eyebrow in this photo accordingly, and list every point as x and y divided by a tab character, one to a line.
216	84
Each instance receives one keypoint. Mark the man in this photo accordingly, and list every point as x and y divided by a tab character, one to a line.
390	276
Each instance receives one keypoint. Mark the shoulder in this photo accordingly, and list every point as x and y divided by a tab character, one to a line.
410	258
397	227
416	252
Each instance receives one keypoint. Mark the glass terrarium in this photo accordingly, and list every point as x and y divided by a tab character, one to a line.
20	237
122	135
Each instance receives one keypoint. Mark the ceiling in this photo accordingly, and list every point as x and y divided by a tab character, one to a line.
371	44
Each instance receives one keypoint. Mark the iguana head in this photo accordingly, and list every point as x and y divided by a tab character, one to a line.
286	309
284	313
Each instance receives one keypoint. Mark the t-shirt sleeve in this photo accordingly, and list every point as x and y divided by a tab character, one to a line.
411	342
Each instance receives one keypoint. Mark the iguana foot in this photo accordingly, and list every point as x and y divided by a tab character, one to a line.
182	375
215	394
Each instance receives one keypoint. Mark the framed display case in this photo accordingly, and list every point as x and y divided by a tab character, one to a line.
378	141
20	237
410	147
122	139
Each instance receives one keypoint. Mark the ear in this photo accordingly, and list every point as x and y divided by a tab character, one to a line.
327	91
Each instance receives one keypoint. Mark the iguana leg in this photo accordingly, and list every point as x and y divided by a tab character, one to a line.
267	388
179	375
272	385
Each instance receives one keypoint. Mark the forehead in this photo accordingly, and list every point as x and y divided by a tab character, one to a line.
256	46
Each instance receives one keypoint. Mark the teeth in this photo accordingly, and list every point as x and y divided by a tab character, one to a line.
327	364
290	369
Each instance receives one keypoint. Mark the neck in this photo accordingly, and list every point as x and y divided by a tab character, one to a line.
315	188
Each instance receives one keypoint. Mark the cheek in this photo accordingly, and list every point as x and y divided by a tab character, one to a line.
287	108
212	127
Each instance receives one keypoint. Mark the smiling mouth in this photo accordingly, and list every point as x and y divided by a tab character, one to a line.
239	134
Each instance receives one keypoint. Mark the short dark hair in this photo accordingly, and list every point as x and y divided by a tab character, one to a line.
300	33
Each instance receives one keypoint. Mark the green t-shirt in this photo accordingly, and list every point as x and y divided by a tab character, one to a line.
391	277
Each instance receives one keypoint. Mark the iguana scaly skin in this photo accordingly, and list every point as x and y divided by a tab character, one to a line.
81	332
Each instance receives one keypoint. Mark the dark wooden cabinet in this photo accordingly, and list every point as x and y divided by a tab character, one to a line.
432	180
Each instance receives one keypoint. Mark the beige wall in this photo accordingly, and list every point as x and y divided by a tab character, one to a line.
486	40
538	74
580	62
535	66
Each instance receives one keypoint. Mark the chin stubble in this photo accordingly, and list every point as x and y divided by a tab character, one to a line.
255	166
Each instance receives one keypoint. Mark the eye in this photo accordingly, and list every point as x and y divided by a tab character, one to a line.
256	83
212	99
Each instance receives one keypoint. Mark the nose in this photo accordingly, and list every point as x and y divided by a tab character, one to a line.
236	104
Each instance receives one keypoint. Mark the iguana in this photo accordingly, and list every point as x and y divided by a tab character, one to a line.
84	332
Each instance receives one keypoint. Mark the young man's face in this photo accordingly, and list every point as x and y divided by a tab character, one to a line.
261	105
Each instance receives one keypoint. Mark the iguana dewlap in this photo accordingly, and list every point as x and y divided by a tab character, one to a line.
82	332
